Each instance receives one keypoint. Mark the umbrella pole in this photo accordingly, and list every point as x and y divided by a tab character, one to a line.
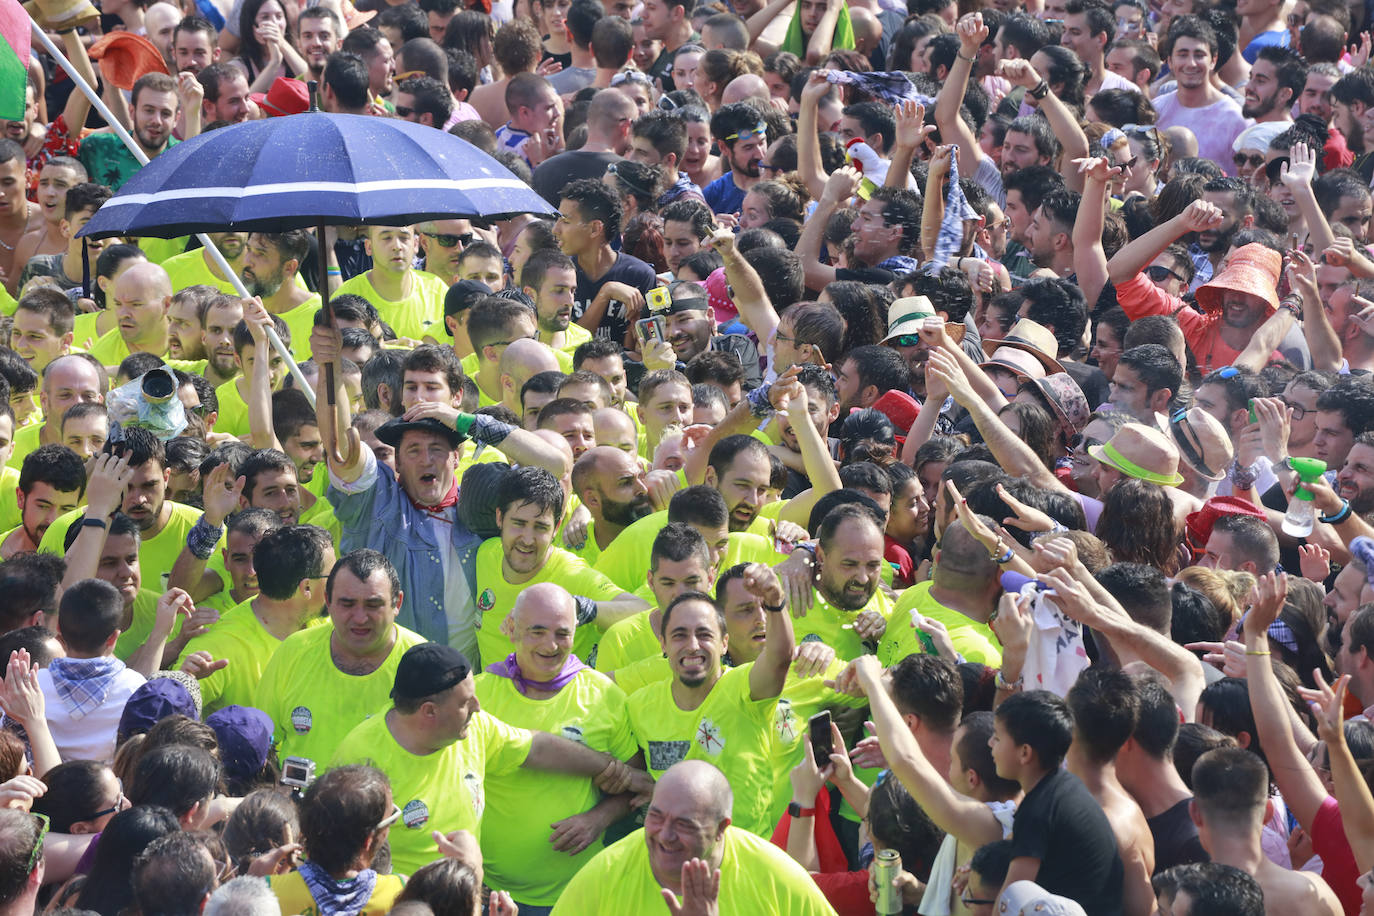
214	252
325	306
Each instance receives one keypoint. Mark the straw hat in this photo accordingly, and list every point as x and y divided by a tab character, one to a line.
1142	452
124	57
354	17
60	15
1253	270
1202	442
906	315
1035	339
285	96
1016	360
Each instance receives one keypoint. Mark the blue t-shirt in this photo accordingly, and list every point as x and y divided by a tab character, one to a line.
1279	38
723	195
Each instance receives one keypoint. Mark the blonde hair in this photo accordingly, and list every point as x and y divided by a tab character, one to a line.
1228	591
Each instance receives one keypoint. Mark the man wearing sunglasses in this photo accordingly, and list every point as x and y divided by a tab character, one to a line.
442	241
742	134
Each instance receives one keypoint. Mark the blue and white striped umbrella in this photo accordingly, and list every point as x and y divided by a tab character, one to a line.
312	169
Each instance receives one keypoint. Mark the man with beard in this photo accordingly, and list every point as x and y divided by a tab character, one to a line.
319	33
708	712
848	609
690	322
529	501
742	134
1277	78
193	45
550	279
226	94
886	231
271	271
1213	117
193	268
1051	231
1235	199
435	550
184	338
443	242
218	320
1355	482
292	563
52	481
154	103
611	485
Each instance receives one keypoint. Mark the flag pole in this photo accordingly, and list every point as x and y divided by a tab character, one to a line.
215	254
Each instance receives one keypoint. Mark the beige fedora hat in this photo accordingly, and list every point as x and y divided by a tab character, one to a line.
1143	452
1202	442
1035	339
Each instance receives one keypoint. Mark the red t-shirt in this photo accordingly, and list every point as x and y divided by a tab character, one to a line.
1338	860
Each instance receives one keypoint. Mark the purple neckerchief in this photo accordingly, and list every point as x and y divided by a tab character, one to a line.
511	668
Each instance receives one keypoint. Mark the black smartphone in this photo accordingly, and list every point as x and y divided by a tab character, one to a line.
822	742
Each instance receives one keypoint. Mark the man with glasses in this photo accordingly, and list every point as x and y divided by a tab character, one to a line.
608	139
439	749
409	300
443	241
742	135
291	565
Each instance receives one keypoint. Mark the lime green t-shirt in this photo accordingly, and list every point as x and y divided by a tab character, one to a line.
312	703
27	438
443	791
827	623
233	409
420	313
189	269
160	250
299	321
239	637
155	554
756	879
973	640
802	698
521	807
141	626
626	642
85	330
222	600
496	597
9	508
111	350
730	729
322	513
589	552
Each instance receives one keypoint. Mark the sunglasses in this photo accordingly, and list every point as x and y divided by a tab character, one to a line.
1227	372
1128	164
1159	273
404	111
1189	444
974	901
445	240
630	76
120	804
37	854
391	818
1254	160
1079	442
765	167
758	130
907	340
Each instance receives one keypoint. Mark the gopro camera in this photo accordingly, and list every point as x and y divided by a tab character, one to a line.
298	772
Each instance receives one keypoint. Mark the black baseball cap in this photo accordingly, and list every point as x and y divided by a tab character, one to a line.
464	295
427	669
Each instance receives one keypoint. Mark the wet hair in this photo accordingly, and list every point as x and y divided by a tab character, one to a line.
1041	720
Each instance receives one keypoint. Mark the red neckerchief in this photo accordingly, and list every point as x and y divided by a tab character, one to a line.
436	510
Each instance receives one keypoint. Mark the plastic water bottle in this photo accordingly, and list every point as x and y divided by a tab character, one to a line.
1302	514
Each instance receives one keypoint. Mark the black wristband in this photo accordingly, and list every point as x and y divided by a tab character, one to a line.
775	610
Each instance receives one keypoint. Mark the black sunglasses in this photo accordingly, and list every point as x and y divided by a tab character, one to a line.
448	241
1255	160
1159	273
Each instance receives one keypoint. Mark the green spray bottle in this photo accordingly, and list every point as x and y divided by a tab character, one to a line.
1301	515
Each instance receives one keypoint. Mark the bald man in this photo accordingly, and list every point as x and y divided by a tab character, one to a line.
613	427
610	483
608	139
570	700
142	295
685	847
521	361
868	31
67	380
744	87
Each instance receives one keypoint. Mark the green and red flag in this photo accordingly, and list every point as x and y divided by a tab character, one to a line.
15	28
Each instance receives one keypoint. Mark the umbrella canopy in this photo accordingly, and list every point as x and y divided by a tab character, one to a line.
312	169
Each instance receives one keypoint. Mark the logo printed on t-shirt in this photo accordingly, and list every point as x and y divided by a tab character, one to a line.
301	720
572	733
785	721
663	754
473	782
415	814
485	602
709	738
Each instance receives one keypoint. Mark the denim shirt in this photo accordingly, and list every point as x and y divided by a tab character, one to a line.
375	512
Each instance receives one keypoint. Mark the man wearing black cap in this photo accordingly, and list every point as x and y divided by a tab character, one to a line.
690	323
438	748
410	515
458	303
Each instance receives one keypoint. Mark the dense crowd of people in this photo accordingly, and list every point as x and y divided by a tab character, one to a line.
925	465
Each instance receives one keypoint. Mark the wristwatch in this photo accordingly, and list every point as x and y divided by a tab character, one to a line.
796	810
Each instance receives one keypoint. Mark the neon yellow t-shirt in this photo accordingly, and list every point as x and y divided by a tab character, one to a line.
574	337
233	409
9	508
111	350
189	269
312	703
973	640
626	561
442	791
589	552
413	316
521	807
496	597
160	250
85	329
826	622
627	642
242	639
294	897
141	627
27	439
299	321
756	879
155	554
322	513
730	729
